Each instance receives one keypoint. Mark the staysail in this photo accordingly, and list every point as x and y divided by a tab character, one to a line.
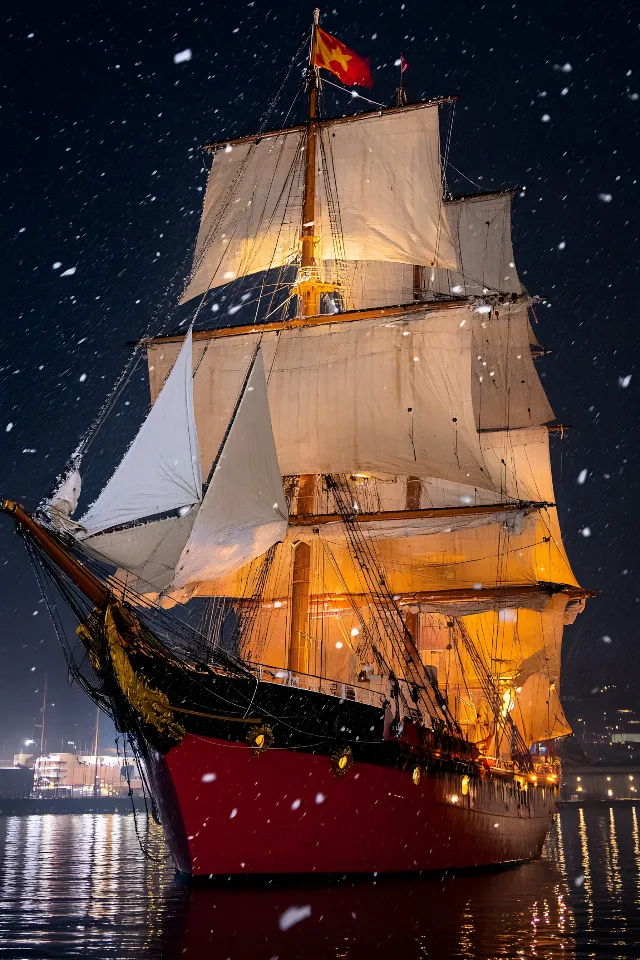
244	511
242	514
160	471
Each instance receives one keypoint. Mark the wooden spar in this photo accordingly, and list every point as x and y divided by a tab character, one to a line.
393	313
461	197
72	568
412	505
417	282
218	144
413	494
551	428
469	593
299	644
454	595
428	513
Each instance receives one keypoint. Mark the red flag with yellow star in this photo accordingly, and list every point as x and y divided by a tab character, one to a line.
348	67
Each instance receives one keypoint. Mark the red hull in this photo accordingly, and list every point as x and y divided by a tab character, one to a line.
227	810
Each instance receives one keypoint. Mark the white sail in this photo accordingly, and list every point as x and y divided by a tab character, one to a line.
481	233
244	511
161	469
148	551
390	395
480	230
383	216
507	393
252	209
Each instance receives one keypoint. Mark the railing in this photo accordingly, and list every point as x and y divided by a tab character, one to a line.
550	768
318	684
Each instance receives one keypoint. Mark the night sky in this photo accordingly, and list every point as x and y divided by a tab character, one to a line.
102	180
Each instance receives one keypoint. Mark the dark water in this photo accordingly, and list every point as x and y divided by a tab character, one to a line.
79	886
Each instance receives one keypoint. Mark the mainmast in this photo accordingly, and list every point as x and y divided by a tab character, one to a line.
309	289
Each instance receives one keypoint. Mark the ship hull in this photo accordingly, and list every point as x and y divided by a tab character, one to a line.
227	810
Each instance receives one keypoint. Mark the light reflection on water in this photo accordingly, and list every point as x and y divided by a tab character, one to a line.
74	886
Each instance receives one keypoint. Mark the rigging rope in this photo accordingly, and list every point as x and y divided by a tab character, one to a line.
387	610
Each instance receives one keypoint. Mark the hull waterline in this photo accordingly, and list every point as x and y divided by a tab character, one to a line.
227	810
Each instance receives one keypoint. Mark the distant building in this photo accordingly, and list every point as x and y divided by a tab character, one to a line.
24	760
68	774
606	724
591	782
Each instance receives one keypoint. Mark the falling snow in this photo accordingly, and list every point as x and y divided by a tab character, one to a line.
293	915
182	56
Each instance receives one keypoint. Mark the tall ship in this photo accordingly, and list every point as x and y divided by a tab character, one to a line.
323	594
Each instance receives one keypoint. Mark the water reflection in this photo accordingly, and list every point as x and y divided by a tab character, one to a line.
80	886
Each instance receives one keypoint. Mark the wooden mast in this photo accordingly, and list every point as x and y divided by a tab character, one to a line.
412	503
308	291
309	287
309	297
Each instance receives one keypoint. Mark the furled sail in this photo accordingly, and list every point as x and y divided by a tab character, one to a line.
244	511
387	395
64	499
480	229
160	471
252	210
